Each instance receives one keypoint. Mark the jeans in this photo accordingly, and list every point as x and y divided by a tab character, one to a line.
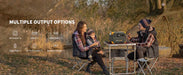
140	53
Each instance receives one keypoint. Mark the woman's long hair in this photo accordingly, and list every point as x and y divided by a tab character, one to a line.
79	28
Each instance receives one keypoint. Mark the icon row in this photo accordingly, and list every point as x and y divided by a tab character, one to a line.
34	35
16	48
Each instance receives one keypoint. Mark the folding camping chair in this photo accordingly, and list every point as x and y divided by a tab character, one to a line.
150	66
80	63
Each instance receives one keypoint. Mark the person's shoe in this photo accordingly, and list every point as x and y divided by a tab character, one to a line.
106	72
90	58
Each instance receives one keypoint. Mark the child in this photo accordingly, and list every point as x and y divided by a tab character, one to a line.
90	40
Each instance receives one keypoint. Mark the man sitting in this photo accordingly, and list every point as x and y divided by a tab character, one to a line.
147	44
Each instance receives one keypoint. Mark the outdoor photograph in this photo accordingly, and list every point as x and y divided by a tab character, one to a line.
91	37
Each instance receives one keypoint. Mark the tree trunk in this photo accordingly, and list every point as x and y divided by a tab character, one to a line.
159	4
155	7
164	5
150	6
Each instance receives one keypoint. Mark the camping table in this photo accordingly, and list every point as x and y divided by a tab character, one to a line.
126	47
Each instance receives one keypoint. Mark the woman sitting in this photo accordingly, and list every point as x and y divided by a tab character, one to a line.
81	48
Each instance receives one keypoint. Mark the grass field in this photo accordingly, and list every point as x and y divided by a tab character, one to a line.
57	64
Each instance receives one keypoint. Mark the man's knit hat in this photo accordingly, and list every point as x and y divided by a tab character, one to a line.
145	22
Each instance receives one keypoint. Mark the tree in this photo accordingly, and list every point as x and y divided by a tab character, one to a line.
155	6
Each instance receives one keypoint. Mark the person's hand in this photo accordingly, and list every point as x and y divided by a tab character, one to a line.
151	28
129	36
94	44
100	52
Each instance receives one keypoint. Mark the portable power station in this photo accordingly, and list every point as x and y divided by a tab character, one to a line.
117	37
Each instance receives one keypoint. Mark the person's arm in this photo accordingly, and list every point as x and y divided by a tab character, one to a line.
89	42
134	39
98	42
80	44
149	41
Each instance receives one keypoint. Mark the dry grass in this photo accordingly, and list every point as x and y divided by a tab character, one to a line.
21	64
